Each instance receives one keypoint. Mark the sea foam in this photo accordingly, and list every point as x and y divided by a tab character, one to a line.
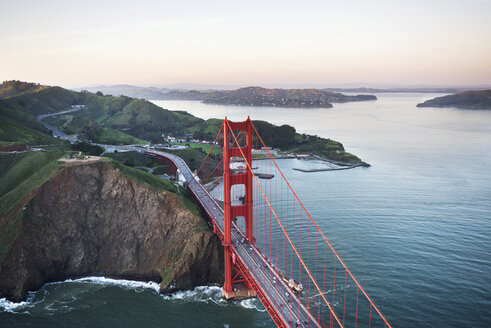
202	294
129	284
9	306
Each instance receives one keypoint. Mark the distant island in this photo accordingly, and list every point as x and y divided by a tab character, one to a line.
464	100
257	96
248	96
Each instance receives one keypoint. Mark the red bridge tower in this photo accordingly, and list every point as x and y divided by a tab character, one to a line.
244	177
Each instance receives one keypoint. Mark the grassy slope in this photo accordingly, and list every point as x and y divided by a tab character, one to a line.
20	127
133	158
210	126
49	100
326	148
22	173
285	138
205	148
144	177
137	117
193	157
14	88
114	137
75	125
156	183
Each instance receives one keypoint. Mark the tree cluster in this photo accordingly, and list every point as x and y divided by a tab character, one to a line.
87	148
276	136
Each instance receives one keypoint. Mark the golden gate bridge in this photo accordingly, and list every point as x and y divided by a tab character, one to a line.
273	248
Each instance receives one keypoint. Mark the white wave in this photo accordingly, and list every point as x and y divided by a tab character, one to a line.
211	294
14	307
201	294
204	294
9	306
133	284
250	304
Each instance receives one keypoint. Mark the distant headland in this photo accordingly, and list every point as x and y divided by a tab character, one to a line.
248	96
463	100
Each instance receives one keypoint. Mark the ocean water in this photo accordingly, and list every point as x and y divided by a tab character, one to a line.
414	228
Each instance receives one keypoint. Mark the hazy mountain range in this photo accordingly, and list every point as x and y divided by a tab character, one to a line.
161	92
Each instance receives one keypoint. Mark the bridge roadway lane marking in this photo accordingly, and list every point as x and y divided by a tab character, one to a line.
258	260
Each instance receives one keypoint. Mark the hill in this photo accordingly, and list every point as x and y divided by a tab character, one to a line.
135	117
464	100
14	88
20	127
286	138
257	96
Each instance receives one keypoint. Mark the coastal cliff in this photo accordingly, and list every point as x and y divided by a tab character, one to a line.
90	219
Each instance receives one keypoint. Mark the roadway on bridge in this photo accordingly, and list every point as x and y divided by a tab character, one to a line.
292	312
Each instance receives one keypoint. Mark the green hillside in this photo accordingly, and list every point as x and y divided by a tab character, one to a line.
21	127
135	117
14	88
48	100
23	172
283	137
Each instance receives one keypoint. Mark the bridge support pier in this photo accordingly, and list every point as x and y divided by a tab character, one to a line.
233	211
171	167
239	292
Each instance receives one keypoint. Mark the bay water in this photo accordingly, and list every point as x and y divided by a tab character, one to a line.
414	228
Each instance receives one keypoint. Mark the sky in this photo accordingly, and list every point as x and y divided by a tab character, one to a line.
239	43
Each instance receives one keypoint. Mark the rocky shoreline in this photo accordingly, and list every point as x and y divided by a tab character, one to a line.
90	220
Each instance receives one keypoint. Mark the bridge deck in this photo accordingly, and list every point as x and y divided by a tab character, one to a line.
289	309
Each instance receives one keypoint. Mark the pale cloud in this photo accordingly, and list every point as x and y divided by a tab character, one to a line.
124	28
